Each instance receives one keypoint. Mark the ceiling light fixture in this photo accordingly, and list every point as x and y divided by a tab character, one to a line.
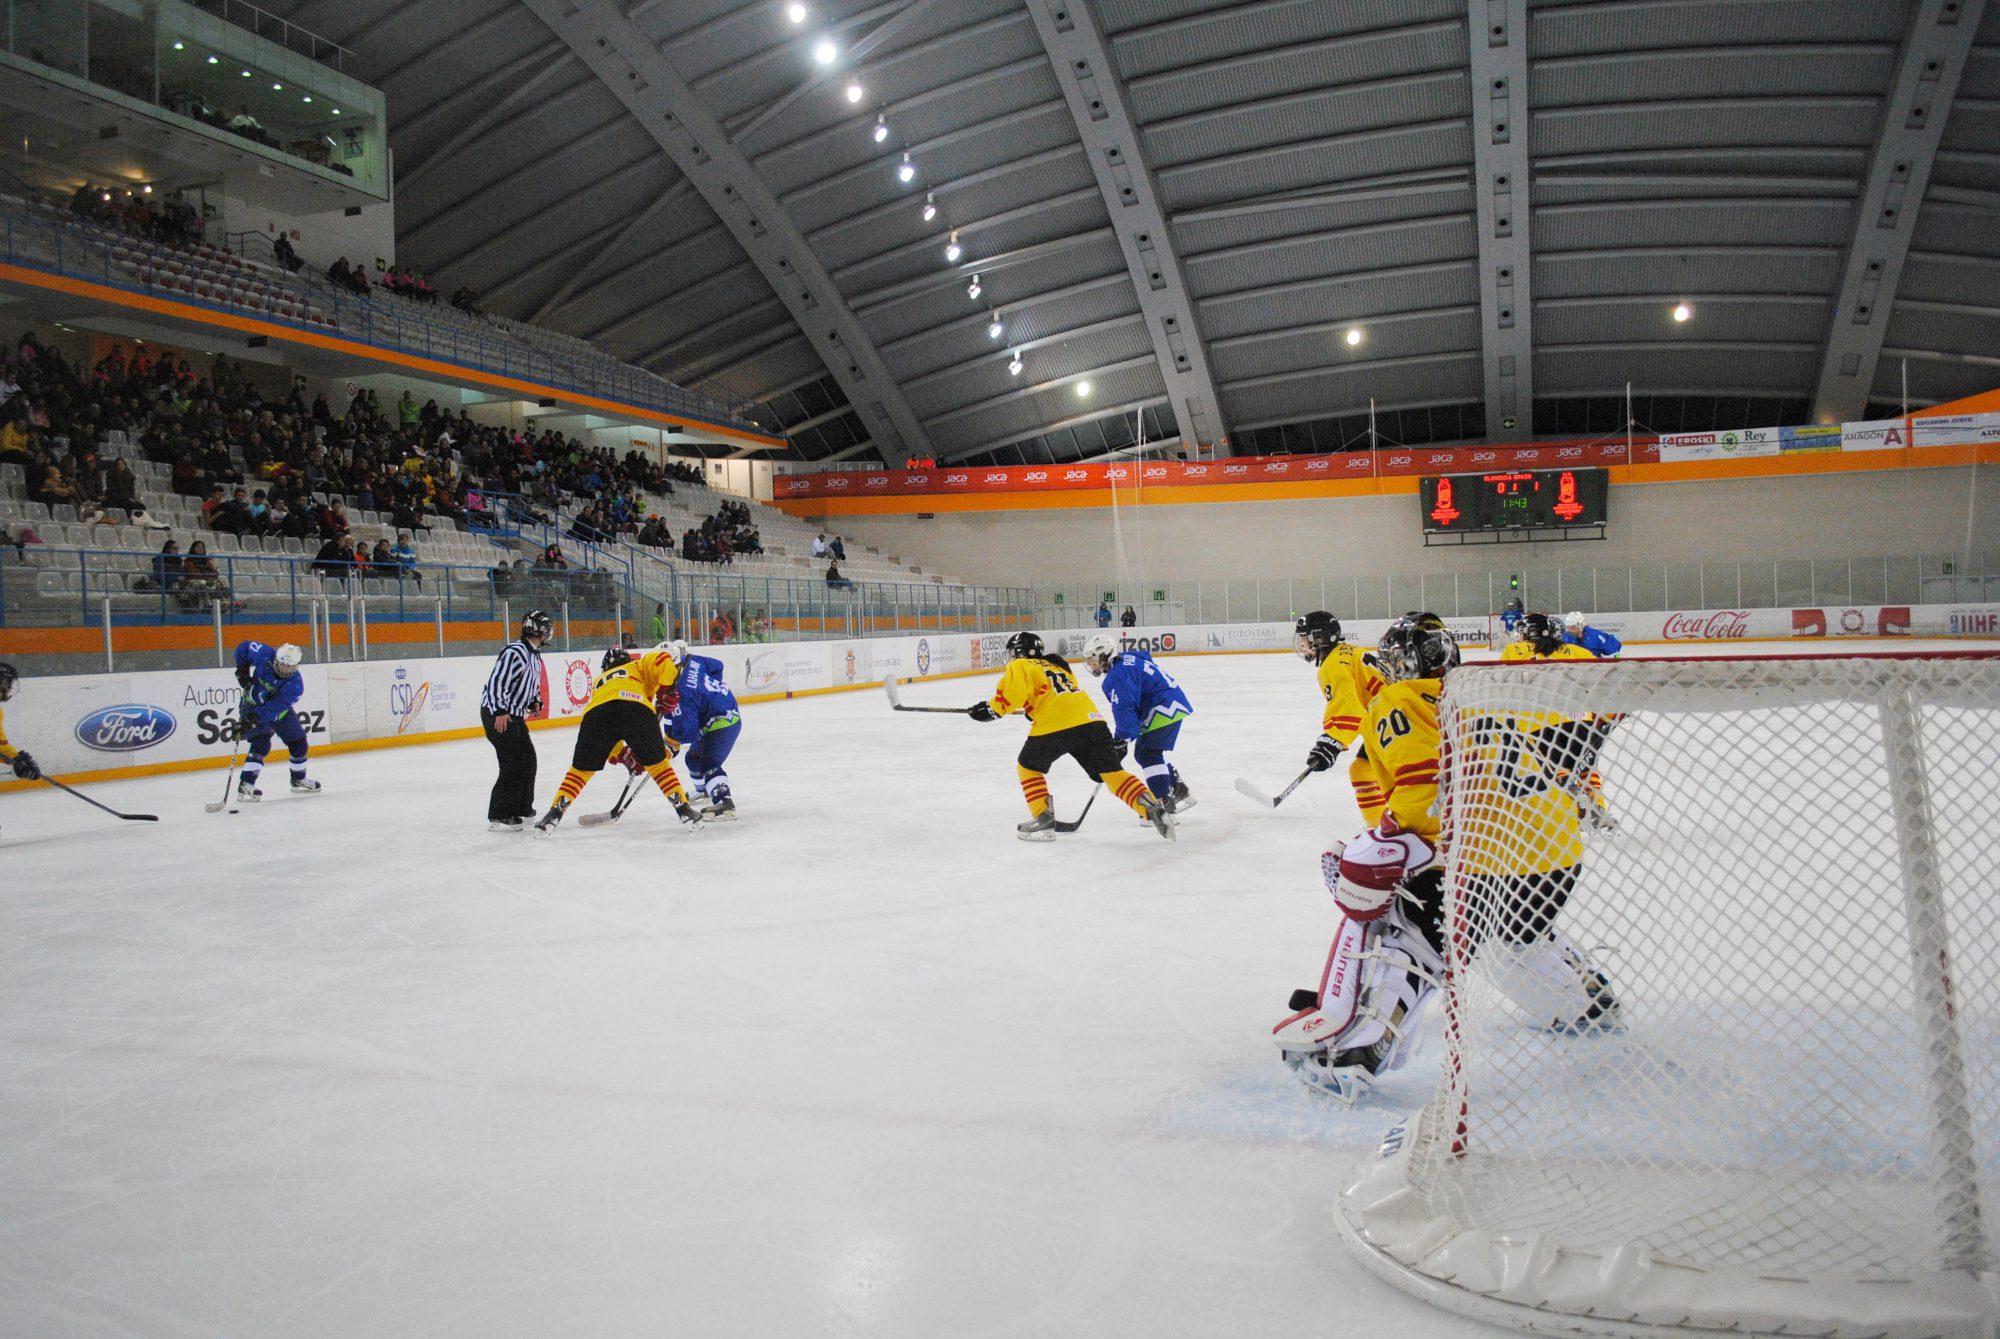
795	12
1083	390
1682	311
1014	365
994	329
973	290
246	74
825	52
309	97
952	250
881	129
215	60
930	205
1354	336
277	88
855	92
908	171
180	46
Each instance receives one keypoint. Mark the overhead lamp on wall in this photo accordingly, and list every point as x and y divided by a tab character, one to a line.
952	250
881	129
825	52
973	290
930	205
795	12
1354	336
1083	390
1014	364
994	328
908	171
855	92
1683	311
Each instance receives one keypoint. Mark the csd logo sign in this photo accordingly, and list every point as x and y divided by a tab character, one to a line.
923	655
124	729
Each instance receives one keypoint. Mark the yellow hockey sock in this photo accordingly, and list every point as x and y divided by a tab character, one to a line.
1035	788
572	785
1129	789
668	780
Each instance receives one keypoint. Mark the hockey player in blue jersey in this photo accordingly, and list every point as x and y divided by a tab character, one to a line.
1147	708
271	685
1594	640
704	719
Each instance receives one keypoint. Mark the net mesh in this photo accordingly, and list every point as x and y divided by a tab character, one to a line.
1775	888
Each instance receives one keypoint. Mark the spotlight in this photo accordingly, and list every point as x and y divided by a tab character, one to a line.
336	111
854	92
1083	390
994	329
1353	336
309	97
953	250
246	74
277	88
930	205
147	189
973	290
215	60
1014	365
1682	311
908	171
824	51
795	12
881	129
180	46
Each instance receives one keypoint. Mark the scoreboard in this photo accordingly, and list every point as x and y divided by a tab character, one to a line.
1514	500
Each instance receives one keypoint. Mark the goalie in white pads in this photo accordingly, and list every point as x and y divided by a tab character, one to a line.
1387	958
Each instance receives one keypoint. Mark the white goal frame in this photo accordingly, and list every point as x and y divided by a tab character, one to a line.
1536	1277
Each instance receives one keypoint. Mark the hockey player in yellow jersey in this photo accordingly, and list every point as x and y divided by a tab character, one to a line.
1388	952
1574	743
621	711
18	759
1348	679
1063	721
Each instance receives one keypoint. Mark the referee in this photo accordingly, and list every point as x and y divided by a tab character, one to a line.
513	691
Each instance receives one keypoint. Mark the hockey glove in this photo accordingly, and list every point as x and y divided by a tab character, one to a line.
1364	876
24	767
1120	747
982	711
1324	753
626	759
243	677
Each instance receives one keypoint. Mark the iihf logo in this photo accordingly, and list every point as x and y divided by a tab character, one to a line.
923	655
850	664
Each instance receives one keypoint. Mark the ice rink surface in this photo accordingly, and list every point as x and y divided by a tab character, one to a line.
859	1064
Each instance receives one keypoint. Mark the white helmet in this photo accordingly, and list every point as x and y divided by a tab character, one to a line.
677	651
287	658
1098	650
1573	619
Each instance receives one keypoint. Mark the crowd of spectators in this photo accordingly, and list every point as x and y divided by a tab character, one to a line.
718	539
171	219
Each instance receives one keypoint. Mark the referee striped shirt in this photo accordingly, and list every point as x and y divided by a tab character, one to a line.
515	683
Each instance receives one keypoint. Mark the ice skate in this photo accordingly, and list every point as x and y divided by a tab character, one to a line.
1040	828
304	785
553	818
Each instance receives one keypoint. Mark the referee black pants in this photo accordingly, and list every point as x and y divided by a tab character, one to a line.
514	792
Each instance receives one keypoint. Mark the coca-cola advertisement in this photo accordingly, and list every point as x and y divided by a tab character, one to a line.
1723	625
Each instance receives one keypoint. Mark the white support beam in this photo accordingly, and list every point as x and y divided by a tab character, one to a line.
634	69
1110	134
1497	38
1885	219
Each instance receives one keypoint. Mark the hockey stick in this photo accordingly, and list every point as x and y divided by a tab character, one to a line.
1073	826
228	788
889	687
130	818
1271	802
617	811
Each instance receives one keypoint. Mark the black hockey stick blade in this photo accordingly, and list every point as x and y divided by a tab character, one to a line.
1244	787
1078	822
896	701
129	818
617	811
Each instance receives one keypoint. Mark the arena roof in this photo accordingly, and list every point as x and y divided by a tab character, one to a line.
1192	204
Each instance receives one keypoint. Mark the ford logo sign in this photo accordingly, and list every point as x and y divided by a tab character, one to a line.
124	729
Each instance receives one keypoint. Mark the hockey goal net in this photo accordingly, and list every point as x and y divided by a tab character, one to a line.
1776	882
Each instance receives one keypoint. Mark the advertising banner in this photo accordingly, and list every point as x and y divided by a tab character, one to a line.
1881	434
88	723
1732	444
1955	430
1818	437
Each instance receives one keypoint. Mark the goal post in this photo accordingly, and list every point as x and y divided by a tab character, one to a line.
1775	883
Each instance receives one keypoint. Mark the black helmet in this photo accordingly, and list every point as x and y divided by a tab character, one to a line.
1540	631
613	658
538	625
1025	645
1411	651
1317	633
1423	618
7	678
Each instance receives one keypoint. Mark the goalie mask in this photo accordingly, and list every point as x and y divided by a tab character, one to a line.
1410	651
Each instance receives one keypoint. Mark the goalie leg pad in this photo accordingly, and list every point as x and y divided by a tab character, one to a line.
1556	983
1380	976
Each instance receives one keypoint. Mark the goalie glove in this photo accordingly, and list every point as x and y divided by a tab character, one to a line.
982	711
1324	753
1365	875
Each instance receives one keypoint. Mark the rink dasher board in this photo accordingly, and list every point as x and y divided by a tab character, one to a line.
94	727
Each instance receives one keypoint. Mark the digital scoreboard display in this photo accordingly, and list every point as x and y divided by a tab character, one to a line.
1513	500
